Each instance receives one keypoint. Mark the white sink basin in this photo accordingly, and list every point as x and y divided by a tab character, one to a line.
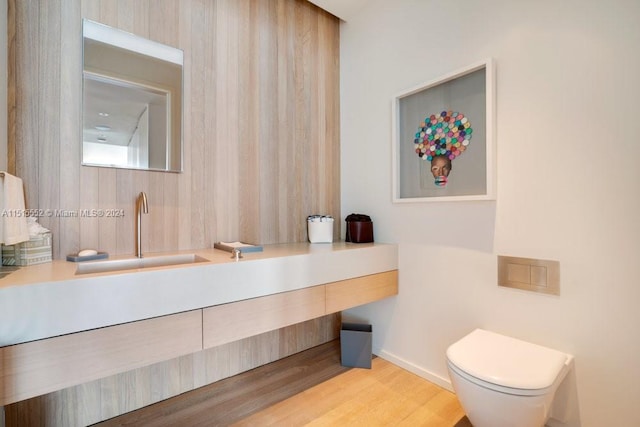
136	263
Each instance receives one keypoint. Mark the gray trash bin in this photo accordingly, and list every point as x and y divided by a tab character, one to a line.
355	345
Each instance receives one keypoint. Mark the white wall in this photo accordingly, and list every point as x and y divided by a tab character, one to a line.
568	185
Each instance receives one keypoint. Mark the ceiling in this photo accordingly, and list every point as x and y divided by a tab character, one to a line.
343	9
112	109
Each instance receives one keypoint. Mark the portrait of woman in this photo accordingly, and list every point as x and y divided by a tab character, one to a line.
442	147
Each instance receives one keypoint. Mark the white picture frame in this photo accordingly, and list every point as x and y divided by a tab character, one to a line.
460	97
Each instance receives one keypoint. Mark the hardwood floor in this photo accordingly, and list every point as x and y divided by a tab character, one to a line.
308	389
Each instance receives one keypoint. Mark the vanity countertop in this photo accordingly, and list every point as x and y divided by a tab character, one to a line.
47	300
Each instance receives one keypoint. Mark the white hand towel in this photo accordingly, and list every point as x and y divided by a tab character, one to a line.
13	222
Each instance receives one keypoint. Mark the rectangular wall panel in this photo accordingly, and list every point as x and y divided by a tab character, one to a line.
39	367
362	290
229	322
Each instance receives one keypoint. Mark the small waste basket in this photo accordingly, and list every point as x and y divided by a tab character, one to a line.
355	345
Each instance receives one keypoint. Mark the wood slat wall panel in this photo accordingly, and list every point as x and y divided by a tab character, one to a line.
49	115
229	322
52	364
260	128
11	91
184	182
107	199
248	148
362	290
24	66
70	123
101	399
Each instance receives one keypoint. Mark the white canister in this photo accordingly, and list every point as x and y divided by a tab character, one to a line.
320	229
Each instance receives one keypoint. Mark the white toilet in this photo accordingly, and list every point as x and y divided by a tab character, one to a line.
505	382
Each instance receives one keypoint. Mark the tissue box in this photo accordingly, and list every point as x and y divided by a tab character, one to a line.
35	251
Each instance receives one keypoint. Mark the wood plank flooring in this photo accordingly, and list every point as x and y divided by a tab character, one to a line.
310	388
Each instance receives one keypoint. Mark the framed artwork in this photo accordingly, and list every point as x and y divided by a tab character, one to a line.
443	145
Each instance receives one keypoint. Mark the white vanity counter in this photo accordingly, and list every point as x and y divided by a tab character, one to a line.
48	300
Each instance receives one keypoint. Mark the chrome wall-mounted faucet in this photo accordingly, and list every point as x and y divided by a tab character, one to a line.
141	207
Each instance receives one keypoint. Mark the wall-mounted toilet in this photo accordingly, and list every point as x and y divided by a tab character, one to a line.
505	382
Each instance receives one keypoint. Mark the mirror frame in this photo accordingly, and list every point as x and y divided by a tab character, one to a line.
121	39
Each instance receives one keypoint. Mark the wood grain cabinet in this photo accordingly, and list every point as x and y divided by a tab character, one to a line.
360	290
230	322
38	367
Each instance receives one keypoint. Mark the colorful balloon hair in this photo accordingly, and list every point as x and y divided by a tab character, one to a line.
445	134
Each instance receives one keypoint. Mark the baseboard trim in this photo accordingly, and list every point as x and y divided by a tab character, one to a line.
413	368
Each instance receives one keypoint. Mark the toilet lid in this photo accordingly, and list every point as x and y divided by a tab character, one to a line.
507	361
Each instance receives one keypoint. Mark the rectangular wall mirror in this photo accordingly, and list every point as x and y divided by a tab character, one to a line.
132	101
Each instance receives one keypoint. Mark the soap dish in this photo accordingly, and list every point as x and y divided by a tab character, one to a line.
76	258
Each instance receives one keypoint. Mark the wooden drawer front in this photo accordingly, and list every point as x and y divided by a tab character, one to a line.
230	322
361	290
38	367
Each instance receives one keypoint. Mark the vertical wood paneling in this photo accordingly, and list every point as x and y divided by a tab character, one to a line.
27	86
125	200
261	118
200	54
153	223
302	100
109	11
211	162
169	236
330	103
89	192
70	125
142	391
114	395
108	396
49	116
224	92
224	176
11	88
247	214
234	120
90	9
141	182
107	226
288	206
313	158
184	193
140	15
164	27
87	398
126	18
164	21
266	121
